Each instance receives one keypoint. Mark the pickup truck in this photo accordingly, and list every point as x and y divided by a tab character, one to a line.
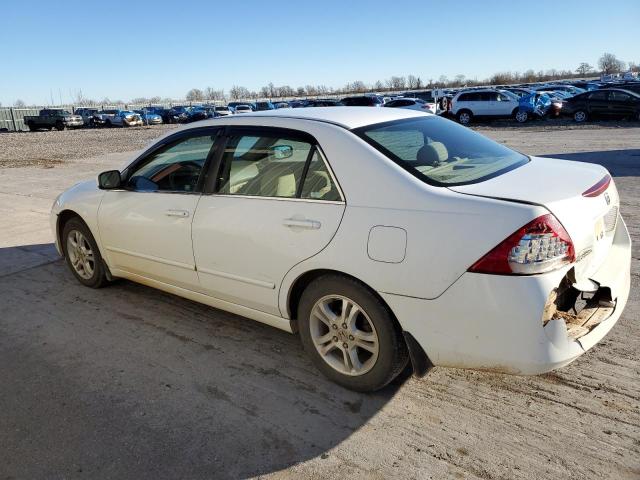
53	118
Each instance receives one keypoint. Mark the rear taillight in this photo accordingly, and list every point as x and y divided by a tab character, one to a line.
598	188
540	246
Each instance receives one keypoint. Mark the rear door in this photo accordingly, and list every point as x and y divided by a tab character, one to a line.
273	203
501	104
620	103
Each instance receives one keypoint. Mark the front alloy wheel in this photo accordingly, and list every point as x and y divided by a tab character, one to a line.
344	335
580	116
80	254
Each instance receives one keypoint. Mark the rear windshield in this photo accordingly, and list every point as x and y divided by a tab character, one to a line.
441	152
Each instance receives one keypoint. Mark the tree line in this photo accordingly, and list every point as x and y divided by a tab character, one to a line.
608	63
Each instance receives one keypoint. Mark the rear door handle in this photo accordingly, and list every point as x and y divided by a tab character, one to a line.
309	224
177	213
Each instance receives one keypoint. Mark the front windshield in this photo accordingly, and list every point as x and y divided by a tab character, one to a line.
441	152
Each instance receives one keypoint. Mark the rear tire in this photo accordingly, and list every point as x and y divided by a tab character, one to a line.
362	345
580	116
82	255
59	126
464	117
32	127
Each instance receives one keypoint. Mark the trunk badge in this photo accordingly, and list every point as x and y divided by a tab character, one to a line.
606	197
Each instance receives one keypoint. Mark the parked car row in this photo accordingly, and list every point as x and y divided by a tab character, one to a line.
540	101
580	99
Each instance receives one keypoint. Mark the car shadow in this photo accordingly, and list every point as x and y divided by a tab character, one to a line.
130	382
621	163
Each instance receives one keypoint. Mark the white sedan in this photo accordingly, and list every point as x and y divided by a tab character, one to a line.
380	236
412	104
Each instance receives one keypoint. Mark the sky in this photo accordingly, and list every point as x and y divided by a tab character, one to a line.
123	49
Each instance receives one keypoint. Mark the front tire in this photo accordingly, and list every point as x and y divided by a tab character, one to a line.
465	117
580	116
350	334
59	126
82	255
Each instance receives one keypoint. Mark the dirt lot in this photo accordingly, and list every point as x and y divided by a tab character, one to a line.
128	382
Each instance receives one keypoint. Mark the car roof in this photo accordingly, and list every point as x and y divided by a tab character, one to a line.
346	117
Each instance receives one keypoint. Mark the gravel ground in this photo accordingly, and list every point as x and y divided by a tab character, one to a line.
50	148
129	382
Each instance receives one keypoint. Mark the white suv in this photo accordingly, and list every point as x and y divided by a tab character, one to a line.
483	103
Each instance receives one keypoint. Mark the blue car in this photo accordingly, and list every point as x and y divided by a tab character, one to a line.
533	105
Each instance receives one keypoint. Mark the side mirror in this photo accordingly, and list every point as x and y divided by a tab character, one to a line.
109	180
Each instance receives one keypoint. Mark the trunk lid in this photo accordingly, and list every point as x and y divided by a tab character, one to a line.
558	185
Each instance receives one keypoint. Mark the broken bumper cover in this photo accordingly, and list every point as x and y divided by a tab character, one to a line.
494	322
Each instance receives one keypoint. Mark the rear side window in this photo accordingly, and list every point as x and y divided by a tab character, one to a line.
441	152
274	166
619	96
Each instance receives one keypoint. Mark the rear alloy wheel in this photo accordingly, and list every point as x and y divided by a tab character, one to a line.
350	334
580	116
464	117
522	116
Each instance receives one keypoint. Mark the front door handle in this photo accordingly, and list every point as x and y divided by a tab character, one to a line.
177	213
309	224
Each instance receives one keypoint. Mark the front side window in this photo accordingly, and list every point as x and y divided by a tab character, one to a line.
602	95
274	166
441	152
174	168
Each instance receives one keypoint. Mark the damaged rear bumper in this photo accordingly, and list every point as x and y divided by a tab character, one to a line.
495	322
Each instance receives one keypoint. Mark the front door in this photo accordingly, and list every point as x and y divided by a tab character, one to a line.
146	227
275	204
599	103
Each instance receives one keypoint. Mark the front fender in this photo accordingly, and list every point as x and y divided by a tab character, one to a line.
83	199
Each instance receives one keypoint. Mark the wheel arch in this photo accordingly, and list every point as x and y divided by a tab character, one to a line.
420	361
63	217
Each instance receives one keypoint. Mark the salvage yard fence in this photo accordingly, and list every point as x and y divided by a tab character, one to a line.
12	118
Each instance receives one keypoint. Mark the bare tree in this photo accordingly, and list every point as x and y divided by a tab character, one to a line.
397	83
211	94
236	92
19	104
634	67
412	82
609	63
459	79
195	95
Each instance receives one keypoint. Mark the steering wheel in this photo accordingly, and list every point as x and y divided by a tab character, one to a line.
189	170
